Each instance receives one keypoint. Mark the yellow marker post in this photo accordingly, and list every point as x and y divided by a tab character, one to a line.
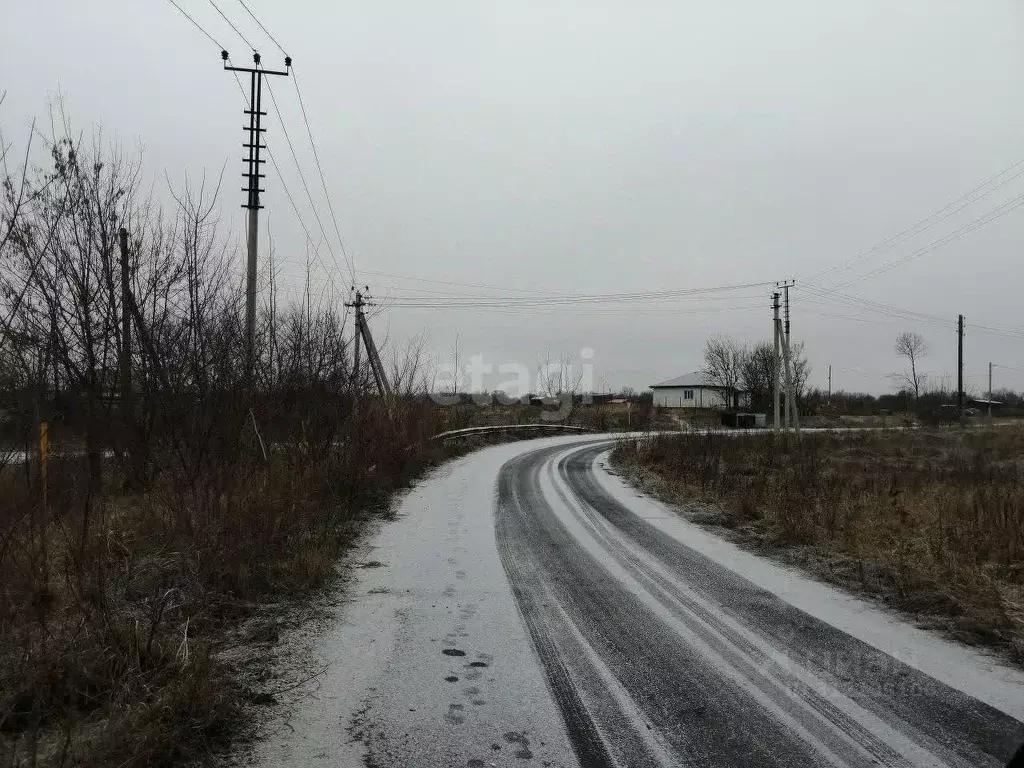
44	454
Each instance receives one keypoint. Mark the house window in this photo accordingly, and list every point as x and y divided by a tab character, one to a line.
687	394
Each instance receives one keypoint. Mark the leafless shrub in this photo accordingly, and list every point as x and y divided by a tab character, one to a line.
170	512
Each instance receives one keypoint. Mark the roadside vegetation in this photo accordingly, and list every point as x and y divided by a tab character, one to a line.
180	500
930	521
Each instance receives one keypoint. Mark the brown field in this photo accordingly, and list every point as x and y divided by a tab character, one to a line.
930	521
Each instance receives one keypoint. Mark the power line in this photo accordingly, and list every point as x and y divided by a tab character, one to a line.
459	299
899	313
575	306
231	24
1010	333
855	302
460	285
529	301
323	181
929	221
302	178
196	23
982	221
265	30
616	312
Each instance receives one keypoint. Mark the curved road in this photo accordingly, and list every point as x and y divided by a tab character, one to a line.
614	634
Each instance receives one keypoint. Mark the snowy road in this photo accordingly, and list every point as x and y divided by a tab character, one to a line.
531	609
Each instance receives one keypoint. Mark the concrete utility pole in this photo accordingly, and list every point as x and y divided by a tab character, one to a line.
777	372
791	415
960	367
253	162
789	369
372	356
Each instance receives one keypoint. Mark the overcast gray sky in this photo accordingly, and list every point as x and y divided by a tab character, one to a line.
598	147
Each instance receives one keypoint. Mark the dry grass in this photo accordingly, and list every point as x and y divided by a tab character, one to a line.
930	521
117	613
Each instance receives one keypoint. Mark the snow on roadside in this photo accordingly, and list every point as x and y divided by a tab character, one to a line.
432	582
978	674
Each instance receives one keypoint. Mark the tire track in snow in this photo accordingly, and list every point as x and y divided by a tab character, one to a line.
721	671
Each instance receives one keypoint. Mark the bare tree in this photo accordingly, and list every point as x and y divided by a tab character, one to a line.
801	369
758	374
409	374
557	379
724	361
913	347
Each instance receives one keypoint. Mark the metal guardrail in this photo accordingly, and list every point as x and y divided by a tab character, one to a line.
471	431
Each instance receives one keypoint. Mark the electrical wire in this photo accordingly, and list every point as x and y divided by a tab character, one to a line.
265	30
442	297
302	178
899	313
1009	333
827	297
482	286
869	320
622	313
530	301
927	222
197	25
982	221
323	181
231	24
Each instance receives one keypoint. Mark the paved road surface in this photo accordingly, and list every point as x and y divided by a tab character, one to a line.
531	610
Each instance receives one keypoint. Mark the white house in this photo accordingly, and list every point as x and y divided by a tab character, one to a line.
694	390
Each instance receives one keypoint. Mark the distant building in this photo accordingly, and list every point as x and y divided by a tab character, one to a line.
695	390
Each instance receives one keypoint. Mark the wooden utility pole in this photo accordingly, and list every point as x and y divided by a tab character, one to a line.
960	367
830	384
777	372
253	161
